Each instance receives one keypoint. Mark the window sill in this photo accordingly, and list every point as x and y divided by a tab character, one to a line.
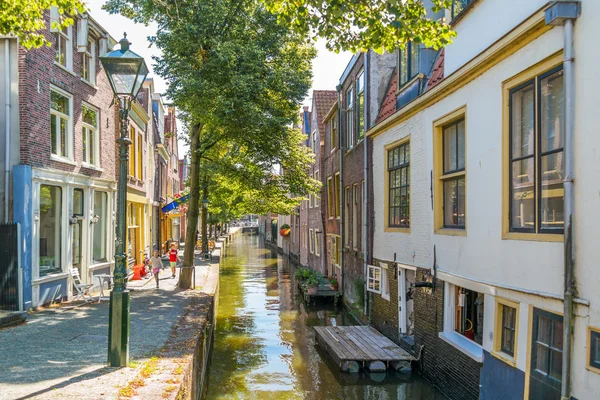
67	70
49	278
91	166
463	344
385	296
505	357
409	82
90	84
451	232
101	265
534	237
63	160
397	230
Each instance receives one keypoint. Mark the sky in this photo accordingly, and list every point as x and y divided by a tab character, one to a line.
327	67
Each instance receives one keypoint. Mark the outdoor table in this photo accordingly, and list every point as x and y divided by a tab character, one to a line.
101	279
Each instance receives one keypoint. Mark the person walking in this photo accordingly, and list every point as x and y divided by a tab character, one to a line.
157	265
173	259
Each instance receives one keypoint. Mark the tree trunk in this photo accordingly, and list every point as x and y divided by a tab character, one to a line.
204	221
185	279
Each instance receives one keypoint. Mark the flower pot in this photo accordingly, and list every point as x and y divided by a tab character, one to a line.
312	290
334	287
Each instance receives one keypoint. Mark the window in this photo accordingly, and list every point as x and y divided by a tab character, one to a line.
132	153
100	228
88	62
140	159
408	62
505	333
360	105
313	143
594	346
374	279
311	241
355	216
453	174
317	197
347	196
385	282
468	314
60	123
337	192
335	250
546	354
62	53
76	233
305	236
536	131
330	199
399	186
50	223
89	117
458	6
317	243
350	118
333	139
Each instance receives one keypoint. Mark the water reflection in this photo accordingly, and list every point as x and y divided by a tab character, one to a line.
264	344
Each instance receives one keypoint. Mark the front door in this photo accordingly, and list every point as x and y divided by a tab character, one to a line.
406	280
546	356
77	228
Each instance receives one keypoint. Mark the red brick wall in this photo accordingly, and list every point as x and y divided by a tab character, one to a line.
37	72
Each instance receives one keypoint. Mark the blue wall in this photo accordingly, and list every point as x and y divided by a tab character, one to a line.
500	381
22	214
53	291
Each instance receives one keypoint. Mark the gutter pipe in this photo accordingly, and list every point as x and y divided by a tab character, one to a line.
366	182
564	13
7	126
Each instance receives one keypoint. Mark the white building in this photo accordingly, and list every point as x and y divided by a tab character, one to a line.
485	162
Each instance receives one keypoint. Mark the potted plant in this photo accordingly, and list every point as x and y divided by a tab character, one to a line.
312	283
302	274
333	282
285	230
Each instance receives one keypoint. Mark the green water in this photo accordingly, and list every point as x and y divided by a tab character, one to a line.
264	345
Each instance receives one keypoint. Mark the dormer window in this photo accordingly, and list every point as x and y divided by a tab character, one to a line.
458	6
62	53
408	62
88	62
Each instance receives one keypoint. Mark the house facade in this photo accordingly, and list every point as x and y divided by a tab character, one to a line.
470	204
62	166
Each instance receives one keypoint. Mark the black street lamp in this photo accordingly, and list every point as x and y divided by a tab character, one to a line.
126	73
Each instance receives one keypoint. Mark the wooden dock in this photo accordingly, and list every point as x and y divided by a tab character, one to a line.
353	347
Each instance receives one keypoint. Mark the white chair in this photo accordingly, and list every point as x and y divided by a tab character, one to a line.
83	289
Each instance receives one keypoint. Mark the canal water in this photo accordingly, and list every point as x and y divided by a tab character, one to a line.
264	345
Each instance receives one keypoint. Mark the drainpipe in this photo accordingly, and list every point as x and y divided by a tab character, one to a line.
366	181
341	188
7	125
564	13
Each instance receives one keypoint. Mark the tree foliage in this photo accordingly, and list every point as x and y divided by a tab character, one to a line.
25	19
361	25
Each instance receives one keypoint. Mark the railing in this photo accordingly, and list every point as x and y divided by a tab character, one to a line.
9	268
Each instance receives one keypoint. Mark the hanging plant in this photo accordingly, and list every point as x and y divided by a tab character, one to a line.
285	230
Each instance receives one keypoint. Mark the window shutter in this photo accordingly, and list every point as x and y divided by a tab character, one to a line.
54	19
82	34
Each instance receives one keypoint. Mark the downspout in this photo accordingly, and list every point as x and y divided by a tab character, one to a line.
564	13
341	188
366	182
7	126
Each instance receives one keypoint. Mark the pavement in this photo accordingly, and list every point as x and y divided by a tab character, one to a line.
61	352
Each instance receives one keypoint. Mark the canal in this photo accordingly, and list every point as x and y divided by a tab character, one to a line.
264	345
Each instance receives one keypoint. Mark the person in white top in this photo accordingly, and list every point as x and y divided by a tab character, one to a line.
157	265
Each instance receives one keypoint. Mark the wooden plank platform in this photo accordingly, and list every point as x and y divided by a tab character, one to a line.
352	347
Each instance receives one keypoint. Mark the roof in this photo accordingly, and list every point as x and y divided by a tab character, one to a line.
323	100
438	71
388	107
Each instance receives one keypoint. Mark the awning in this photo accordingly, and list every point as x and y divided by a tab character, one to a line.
175	203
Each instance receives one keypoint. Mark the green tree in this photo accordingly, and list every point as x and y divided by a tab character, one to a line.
362	25
238	77
25	19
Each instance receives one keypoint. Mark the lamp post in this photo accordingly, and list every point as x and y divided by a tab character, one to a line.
126	73
204	230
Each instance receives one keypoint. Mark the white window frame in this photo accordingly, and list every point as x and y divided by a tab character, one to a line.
92	61
96	135
385	282
311	241
317	244
69	136
350	118
69	50
355	222
106	220
372	278
317	197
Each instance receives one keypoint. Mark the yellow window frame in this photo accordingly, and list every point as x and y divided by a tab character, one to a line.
386	188
498	353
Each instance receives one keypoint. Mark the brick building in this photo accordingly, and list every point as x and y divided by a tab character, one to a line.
63	177
304	205
331	186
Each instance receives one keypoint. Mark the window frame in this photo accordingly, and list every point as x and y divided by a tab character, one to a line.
591	365
330	198
89	57
347	202
317	197
317	244
408	49
385	282
336	184
86	128
439	177
389	149
333	141
69	125
68	41
101	220
543	377
355	214
58	229
499	352
350	118
537	155
311	241
538	69
372	279
360	93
